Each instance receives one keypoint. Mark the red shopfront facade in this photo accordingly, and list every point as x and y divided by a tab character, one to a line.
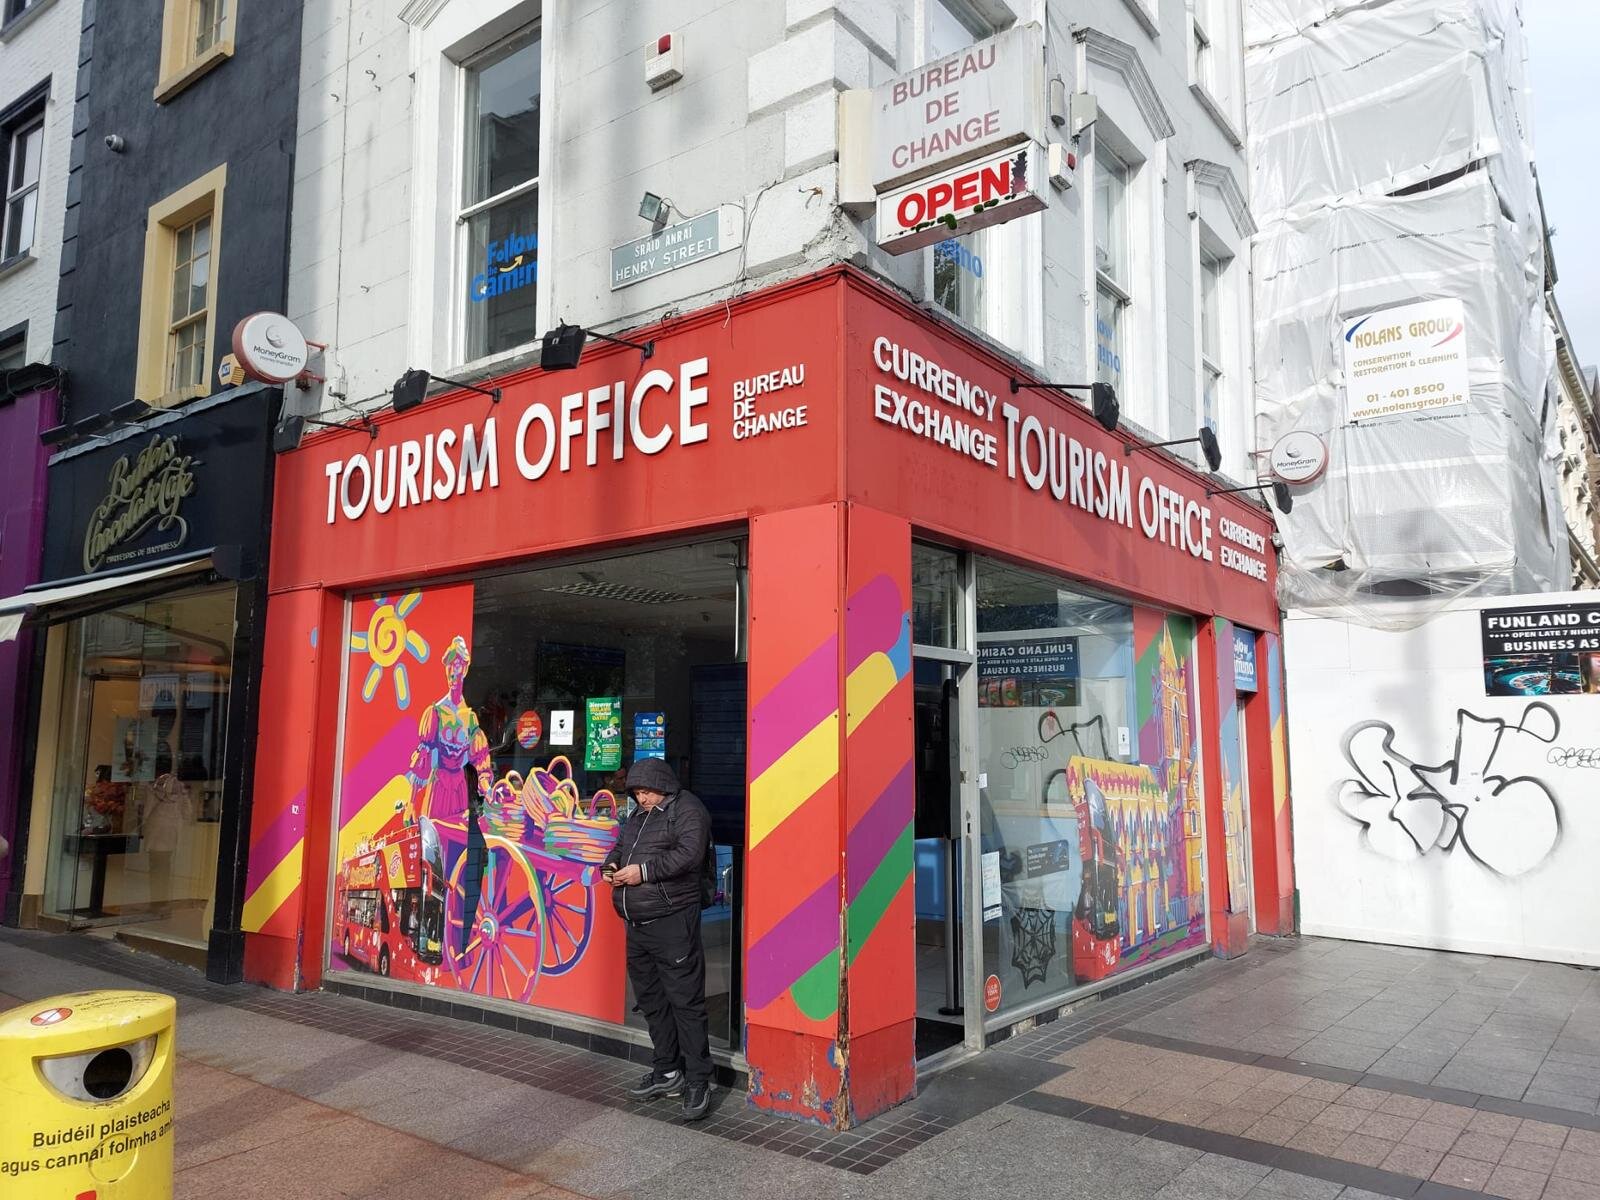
906	630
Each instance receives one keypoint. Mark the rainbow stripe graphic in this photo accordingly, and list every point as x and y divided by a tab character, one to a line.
794	761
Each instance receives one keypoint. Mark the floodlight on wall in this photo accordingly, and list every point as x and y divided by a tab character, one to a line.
411	389
1102	398
562	347
58	434
654	209
131	412
1206	438
92	424
1280	494
287	433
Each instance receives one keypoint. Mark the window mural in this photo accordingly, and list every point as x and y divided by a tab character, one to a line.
447	873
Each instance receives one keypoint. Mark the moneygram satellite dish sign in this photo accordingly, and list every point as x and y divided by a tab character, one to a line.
956	143
270	347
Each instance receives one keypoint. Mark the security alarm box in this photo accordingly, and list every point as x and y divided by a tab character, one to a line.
663	63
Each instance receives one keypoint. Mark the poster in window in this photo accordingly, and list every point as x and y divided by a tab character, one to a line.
1028	673
602	741
649	735
134	753
562	723
158	691
530	730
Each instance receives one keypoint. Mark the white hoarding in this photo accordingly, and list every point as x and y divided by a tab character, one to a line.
973	196
953	110
1405	360
1443	796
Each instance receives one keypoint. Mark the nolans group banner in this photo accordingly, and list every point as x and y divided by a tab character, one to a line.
602	743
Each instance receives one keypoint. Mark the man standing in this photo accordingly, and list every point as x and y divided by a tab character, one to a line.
657	872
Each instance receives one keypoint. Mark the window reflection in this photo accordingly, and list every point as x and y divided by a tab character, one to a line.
1089	802
936	597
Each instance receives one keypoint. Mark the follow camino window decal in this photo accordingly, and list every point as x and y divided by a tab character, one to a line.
510	263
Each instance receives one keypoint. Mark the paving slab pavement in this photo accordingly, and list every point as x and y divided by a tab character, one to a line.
1308	1069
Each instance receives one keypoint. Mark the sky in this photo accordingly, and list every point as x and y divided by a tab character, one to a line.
1564	60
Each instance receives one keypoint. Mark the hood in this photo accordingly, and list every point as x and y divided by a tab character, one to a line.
654	774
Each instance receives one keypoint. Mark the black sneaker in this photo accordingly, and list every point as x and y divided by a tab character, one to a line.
653	1085
696	1101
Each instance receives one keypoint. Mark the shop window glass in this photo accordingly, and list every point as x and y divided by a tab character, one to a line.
139	766
195	36
1089	800
1200	65
936	618
980	278
1211	269
25	149
1113	290
14	348
958	275
488	727
500	196
191	278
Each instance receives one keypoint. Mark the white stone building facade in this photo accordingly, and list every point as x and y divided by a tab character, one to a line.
1572	386
39	44
430	129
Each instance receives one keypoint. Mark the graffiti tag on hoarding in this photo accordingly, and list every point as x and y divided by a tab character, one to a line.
1408	810
1575	757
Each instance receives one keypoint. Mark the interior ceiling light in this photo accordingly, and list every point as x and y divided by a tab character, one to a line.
620	591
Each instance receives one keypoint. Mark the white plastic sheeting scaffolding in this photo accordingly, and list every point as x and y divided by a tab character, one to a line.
1391	167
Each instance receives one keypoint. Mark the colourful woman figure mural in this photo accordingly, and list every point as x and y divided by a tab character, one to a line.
448	737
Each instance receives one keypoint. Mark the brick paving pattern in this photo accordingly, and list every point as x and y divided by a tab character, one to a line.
1408	1135
1310	1069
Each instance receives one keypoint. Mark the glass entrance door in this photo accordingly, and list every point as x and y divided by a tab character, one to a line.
944	700
940	871
138	766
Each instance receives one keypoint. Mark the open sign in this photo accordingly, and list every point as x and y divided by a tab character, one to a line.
989	191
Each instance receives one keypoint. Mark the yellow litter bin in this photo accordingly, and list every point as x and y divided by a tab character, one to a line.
86	1093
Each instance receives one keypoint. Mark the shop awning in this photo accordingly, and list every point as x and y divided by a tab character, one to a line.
16	609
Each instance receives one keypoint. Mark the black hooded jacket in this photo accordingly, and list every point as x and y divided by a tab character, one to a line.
669	845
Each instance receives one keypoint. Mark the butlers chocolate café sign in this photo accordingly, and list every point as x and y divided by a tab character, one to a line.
171	488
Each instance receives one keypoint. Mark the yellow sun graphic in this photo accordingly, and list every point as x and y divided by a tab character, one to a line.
385	639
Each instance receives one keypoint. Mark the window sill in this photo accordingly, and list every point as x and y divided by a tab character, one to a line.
179	396
180	79
22	20
1148	17
17	262
1212	106
502	362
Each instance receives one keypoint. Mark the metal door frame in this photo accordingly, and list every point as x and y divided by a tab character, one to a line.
964	780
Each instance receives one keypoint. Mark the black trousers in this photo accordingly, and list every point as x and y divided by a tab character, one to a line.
667	967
